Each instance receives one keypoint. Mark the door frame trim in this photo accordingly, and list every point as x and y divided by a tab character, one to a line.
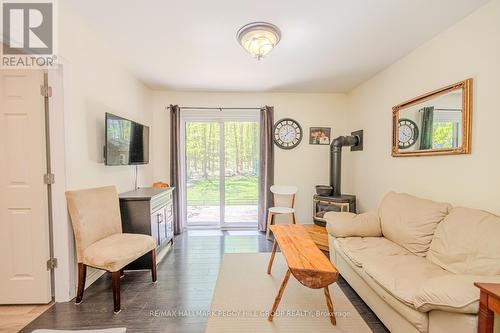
48	160
62	234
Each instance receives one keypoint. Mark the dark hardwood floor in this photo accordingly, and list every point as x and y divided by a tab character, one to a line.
186	281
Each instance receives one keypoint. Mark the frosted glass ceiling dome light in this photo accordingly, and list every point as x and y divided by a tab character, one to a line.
259	38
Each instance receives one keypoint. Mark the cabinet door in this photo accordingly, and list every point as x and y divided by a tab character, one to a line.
170	229
158	226
170	221
162	225
154	228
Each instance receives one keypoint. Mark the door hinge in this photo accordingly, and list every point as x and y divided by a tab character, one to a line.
51	264
49	178
46	91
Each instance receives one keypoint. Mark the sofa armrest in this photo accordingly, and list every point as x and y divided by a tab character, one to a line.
452	293
351	225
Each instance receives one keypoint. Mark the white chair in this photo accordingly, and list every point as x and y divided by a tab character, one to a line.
282	191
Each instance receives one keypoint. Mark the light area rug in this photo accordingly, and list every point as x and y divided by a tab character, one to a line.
244	294
106	330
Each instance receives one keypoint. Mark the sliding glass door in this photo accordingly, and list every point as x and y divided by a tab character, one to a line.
241	174
220	169
202	165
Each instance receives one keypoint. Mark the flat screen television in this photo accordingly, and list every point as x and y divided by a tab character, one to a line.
127	142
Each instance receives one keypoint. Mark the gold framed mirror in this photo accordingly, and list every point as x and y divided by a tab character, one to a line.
437	123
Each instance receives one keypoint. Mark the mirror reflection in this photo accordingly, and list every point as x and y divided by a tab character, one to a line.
433	124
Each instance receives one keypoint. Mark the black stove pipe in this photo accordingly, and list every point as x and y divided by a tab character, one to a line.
336	159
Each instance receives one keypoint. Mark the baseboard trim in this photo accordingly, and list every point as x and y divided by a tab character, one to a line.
93	274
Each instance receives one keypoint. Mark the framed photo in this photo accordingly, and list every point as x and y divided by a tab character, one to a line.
319	135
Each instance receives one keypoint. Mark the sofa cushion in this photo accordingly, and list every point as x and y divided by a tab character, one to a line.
344	224
453	293
420	320
374	295
359	249
410	221
467	242
402	275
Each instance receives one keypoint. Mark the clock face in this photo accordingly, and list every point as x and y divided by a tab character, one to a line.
287	133
407	133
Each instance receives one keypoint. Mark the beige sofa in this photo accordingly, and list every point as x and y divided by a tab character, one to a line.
414	261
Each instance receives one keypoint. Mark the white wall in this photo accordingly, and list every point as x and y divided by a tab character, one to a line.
471	48
305	166
94	82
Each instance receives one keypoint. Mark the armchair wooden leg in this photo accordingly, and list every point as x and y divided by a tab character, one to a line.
115	276
269	223
294	218
82	275
153	265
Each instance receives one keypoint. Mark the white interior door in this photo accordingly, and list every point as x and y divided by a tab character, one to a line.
24	226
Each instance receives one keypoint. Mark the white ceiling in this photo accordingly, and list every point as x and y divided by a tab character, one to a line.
326	46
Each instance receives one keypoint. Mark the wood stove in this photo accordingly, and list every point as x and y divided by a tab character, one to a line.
323	204
335	201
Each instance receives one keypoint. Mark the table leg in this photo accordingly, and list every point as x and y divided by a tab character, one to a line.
278	297
329	303
273	252
486	316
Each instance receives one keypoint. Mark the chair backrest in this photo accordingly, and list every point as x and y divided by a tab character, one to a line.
284	189
95	214
288	191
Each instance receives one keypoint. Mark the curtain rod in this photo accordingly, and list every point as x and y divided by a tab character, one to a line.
212	108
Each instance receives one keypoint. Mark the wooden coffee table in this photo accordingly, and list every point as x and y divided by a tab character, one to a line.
319	236
305	262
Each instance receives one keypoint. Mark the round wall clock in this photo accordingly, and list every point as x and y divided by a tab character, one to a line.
287	133
407	133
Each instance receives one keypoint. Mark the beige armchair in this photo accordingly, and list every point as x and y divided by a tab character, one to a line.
100	243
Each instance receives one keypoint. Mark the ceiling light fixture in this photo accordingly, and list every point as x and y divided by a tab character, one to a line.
259	38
